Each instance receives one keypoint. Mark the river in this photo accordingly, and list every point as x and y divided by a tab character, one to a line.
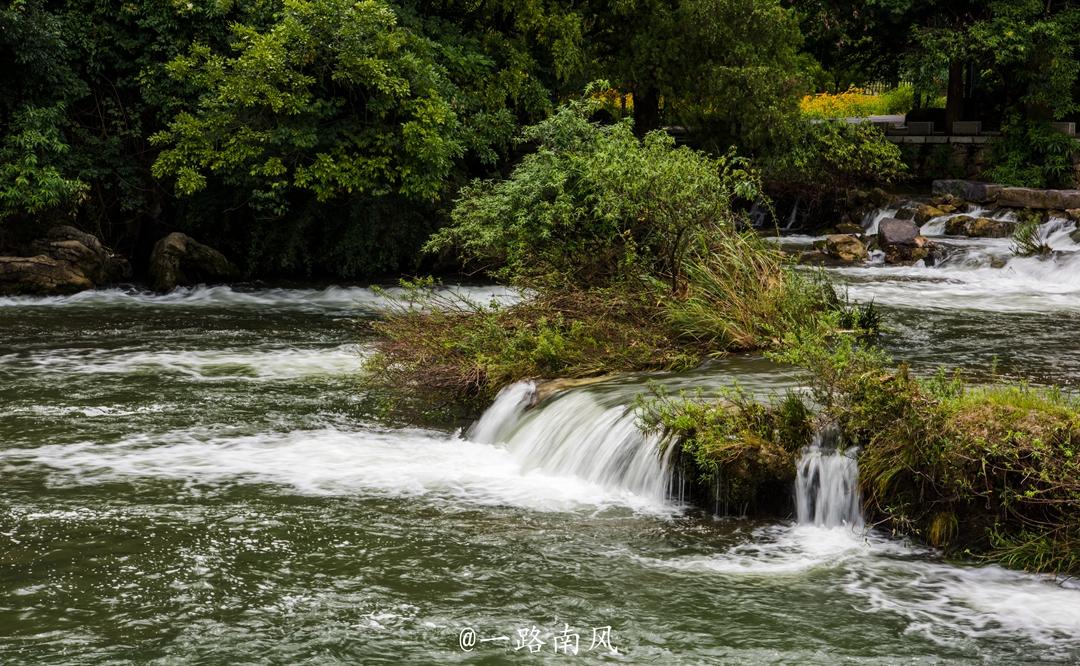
198	478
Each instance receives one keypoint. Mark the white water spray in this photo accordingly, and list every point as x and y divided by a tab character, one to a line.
827	485
577	434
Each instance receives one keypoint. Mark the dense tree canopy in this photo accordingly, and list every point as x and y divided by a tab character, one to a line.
332	136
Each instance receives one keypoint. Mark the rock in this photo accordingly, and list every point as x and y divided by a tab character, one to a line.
967	190
1075	236
983	227
958	226
1027	197
892	231
948	209
902	243
1073	214
819	258
179	260
925	212
65	261
40	275
905	213
845	248
849	228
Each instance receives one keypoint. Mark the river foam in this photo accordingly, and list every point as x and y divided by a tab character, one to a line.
333	461
327	299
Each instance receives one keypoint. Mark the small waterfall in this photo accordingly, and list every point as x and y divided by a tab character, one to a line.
827	484
580	434
494	425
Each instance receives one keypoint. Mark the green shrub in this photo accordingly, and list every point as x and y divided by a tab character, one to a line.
1031	154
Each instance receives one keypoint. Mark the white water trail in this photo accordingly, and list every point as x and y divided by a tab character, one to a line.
575	434
827	485
308	300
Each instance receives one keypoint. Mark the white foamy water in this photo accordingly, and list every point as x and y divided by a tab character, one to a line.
202	364
331	461
827	486
978	274
574	434
938	601
330	298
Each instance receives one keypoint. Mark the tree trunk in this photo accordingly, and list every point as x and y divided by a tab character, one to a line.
954	103
646	110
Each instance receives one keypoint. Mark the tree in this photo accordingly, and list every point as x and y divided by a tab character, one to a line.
730	65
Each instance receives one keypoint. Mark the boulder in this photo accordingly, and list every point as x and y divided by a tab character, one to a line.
849	228
983	227
892	231
1028	197
905	213
958	226
1073	214
925	212
179	260
819	258
65	261
902	244
845	248
967	190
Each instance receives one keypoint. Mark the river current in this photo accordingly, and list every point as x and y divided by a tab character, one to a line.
198	478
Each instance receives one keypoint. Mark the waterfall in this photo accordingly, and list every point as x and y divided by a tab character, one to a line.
827	484
578	433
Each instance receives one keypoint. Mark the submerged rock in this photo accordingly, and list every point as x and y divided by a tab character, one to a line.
65	261
180	260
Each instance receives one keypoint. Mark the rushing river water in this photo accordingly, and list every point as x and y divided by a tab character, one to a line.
196	478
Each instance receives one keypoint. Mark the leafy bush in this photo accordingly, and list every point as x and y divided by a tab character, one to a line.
595	206
631	252
826	158
986	471
1031	154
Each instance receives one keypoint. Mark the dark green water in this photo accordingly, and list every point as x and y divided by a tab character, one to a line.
195	480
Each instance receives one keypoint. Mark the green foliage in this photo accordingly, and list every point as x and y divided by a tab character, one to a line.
739	451
31	182
1031	154
987	471
595	206
452	350
1027	241
829	158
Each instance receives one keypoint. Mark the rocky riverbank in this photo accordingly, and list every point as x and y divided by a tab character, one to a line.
66	260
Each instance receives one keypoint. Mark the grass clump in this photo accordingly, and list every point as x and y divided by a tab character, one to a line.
986	471
632	252
740	453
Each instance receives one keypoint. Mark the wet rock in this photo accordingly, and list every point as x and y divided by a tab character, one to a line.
179	260
958	226
892	231
983	227
65	261
967	190
1027	197
925	212
849	228
845	248
906	213
902	244
1073	214
819	258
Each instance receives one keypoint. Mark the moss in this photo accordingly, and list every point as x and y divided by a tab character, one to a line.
740	454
